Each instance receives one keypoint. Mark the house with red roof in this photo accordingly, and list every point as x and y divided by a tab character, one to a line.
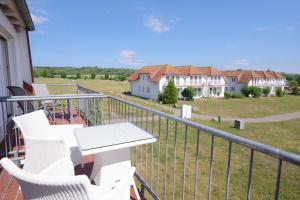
150	81
236	79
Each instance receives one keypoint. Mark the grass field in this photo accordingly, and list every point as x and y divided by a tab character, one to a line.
248	107
283	135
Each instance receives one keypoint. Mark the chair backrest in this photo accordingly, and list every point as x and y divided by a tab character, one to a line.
40	89
48	187
26	106
40	187
32	124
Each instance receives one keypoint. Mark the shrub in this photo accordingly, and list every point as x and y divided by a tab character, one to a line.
63	75
280	92
255	91
227	95
245	90
266	91
45	73
106	76
160	97
121	78
188	93
78	75
170	95
93	75
295	90
236	96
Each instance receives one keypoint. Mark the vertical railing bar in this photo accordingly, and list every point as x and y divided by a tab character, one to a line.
53	111
125	114
174	163
228	170
95	113
158	157
211	166
109	110
5	131
152	150
278	179
146	146
196	166
250	175
184	162
16	137
102	110
166	159
62	112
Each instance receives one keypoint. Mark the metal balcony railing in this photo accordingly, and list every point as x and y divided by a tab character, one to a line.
189	160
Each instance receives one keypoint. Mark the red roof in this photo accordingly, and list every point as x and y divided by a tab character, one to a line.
156	72
244	76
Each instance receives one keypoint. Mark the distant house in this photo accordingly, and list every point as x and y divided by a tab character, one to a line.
236	79
149	81
15	57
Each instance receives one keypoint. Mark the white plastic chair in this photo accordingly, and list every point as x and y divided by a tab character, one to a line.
47	187
40	89
109	166
41	139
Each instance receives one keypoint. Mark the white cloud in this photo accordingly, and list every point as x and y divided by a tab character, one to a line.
126	57
262	29
290	28
156	25
241	63
39	19
175	20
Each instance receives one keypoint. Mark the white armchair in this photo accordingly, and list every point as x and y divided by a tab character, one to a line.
66	186
41	141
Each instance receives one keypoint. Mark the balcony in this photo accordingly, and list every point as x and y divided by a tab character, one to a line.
189	160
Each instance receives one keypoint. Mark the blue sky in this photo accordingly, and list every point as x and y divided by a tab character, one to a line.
256	34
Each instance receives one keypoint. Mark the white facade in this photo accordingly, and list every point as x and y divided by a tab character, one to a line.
15	64
233	86
145	88
205	86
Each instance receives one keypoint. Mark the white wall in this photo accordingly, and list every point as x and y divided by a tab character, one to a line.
145	88
18	58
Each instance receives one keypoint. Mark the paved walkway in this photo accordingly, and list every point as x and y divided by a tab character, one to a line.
271	118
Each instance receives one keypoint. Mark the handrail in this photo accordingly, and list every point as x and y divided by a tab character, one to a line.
50	97
269	150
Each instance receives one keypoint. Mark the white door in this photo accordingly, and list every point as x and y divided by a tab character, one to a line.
4	82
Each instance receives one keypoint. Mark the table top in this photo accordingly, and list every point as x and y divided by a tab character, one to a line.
97	139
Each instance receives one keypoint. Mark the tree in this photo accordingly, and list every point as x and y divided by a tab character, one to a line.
295	90
245	90
63	75
188	93
280	92
170	94
293	83
266	91
106	76
78	75
93	75
45	73
121	77
255	91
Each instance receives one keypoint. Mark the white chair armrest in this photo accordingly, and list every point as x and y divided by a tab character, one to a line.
63	168
68	125
40	153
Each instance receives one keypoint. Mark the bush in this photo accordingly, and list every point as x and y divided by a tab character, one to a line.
227	95
170	94
295	90
121	78
188	93
106	76
45	73
266	91
255	91
236	96
78	75
245	90
93	75
63	75
280	92
160	97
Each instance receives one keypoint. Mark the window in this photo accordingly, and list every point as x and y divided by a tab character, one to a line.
167	77
233	79
139	88
148	90
143	89
226	88
232	88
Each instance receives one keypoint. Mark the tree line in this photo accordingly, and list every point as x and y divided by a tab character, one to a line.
120	74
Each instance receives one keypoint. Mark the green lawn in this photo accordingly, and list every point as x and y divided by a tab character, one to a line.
247	107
